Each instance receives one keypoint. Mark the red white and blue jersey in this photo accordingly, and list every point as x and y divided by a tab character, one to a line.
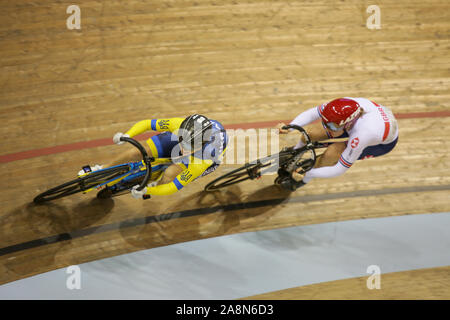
377	126
375	130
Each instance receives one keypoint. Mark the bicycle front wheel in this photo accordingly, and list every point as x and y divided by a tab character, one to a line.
249	171
81	184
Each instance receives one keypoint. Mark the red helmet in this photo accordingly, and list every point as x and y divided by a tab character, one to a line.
340	111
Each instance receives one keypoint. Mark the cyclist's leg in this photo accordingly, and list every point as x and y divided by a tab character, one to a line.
331	155
329	158
158	146
130	155
317	132
162	146
170	174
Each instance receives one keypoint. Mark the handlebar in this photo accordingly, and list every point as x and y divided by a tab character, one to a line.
147	160
303	131
309	144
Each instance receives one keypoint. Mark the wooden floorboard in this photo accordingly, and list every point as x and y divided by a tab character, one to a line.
235	61
422	284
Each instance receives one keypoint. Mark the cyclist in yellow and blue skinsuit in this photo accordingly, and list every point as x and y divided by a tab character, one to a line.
186	148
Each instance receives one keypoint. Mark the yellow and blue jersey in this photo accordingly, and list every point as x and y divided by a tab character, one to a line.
165	149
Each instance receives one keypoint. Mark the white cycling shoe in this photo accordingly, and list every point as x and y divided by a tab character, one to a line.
88	169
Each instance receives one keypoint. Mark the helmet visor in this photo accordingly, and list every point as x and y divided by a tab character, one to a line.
332	126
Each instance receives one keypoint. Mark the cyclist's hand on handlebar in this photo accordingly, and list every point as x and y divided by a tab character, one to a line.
138	194
280	130
117	136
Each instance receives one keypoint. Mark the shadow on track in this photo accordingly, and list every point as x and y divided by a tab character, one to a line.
44	227
204	215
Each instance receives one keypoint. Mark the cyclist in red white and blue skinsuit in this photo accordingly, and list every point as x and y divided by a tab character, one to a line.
372	131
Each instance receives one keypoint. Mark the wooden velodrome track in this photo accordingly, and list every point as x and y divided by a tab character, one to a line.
240	62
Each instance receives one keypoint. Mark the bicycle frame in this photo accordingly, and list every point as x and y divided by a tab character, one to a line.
121	177
136	170
283	162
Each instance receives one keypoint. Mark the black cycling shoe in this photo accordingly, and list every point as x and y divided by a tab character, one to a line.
278	180
290	184
282	174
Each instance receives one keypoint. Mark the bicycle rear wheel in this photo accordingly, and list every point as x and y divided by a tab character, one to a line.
81	184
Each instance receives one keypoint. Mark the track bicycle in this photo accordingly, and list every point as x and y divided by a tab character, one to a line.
112	181
283	163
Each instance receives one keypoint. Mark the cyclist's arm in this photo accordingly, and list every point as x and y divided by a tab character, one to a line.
326	172
346	160
159	125
307	117
193	171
